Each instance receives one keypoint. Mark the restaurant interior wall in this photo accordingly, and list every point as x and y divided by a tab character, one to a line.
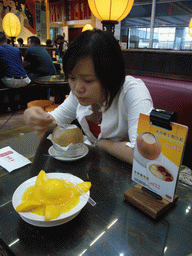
46	18
170	25
26	12
76	13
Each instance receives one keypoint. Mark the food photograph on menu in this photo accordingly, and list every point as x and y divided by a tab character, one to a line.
157	157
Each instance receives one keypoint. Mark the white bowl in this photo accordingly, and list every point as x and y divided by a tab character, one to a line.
38	220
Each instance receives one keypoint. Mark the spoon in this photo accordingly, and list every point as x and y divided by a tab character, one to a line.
90	200
80	190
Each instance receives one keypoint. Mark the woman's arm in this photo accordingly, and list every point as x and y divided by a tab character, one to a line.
136	100
117	149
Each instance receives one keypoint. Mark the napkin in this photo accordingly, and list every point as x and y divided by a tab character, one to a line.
185	175
69	147
11	160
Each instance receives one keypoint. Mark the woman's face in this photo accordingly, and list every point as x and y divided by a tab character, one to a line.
85	84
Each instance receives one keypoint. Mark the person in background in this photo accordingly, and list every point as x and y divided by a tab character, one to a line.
14	74
61	45
58	39
37	60
105	101
58	43
8	41
20	42
49	43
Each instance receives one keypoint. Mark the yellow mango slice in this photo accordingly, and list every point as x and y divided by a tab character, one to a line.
41	178
51	212
28	194
28	206
85	186
37	195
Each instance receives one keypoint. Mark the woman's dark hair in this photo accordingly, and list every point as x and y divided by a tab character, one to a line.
107	58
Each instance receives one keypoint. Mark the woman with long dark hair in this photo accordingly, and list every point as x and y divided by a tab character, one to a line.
105	102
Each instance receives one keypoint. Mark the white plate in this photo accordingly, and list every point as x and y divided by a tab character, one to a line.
53	152
38	220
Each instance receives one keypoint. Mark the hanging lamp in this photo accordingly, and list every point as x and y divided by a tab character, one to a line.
11	26
110	12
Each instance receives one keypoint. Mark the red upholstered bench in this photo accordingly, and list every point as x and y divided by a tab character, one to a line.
175	96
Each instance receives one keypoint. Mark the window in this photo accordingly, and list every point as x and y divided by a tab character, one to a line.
170	26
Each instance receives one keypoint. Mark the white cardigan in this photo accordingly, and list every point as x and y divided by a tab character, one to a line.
120	121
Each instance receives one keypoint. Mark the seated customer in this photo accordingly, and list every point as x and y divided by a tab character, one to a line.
49	43
20	42
105	102
8	41
37	60
14	74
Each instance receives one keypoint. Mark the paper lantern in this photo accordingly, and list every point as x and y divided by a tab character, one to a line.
114	10
190	27
87	27
11	25
110	11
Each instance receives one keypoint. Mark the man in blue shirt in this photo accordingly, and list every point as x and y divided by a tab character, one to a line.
37	60
13	73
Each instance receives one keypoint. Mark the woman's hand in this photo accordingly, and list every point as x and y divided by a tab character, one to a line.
37	119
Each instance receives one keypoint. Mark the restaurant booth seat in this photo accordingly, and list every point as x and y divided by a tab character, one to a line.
176	96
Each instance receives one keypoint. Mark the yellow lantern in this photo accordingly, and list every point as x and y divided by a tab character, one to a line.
87	27
190	27
11	25
110	11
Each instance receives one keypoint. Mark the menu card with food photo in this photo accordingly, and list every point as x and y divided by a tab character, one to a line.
158	155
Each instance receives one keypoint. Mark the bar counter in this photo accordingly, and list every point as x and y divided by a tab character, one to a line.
112	227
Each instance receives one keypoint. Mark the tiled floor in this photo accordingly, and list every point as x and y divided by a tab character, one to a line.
11	120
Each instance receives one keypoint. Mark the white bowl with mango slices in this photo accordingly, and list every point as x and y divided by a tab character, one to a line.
44	193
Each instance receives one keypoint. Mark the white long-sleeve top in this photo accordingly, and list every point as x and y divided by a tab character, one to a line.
120	121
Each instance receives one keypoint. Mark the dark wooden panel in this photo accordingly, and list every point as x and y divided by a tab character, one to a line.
163	64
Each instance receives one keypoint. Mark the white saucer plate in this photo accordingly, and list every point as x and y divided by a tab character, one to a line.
53	152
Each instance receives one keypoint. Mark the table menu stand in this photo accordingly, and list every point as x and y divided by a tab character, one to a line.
144	199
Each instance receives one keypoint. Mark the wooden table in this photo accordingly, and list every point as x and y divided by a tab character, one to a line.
56	85
112	227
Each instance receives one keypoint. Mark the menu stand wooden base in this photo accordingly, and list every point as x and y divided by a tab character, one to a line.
147	203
